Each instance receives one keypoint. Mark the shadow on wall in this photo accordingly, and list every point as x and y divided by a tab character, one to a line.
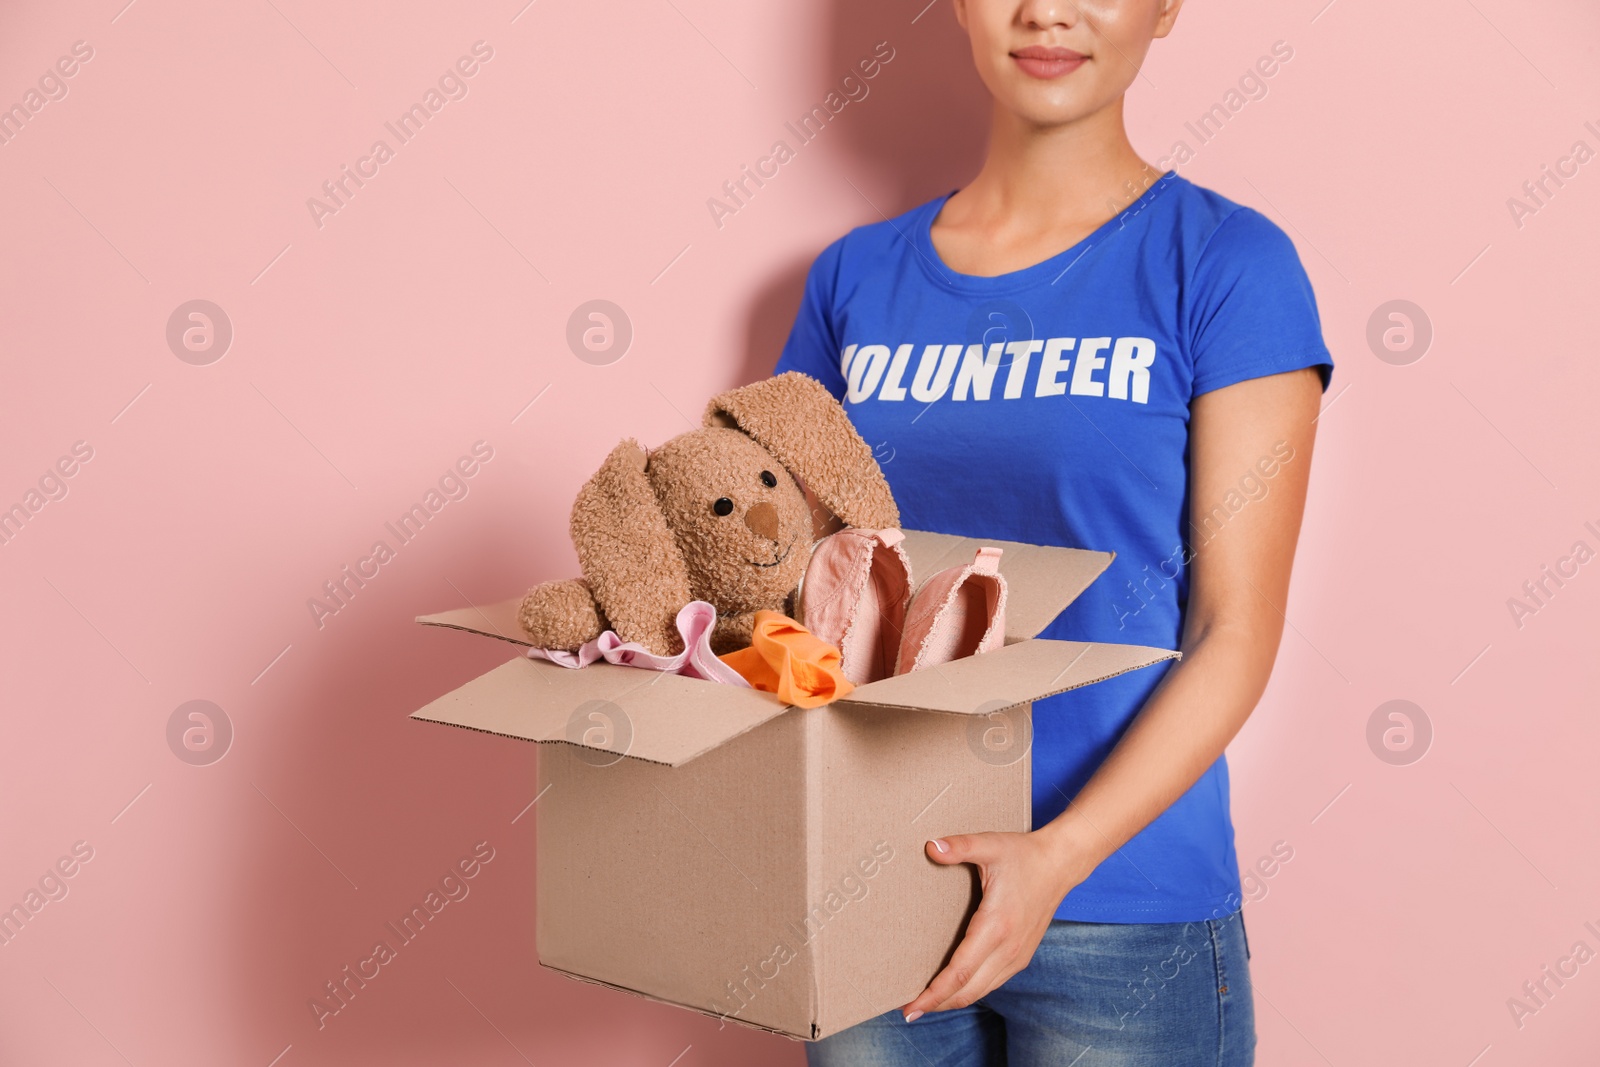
918	133
922	130
392	804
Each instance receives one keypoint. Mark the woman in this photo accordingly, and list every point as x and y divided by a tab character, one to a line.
1077	349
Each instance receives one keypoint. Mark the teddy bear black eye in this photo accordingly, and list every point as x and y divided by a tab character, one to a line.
722	506
768	479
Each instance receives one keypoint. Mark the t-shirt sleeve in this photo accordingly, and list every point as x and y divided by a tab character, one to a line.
813	345
1252	311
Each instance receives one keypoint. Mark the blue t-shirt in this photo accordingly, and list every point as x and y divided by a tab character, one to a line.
1050	405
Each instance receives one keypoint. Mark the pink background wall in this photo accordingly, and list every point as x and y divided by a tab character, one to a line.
371	352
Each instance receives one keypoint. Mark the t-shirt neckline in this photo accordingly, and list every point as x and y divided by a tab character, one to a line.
1047	270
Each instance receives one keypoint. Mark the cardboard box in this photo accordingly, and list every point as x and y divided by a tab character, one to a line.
705	845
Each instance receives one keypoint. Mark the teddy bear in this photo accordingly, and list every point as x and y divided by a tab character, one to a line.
721	513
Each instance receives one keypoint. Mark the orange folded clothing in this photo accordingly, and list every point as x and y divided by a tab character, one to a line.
787	659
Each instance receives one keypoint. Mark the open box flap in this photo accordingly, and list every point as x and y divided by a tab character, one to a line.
491	620
1041	580
1008	676
671	719
614	711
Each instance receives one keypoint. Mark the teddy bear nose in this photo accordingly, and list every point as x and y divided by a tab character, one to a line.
762	519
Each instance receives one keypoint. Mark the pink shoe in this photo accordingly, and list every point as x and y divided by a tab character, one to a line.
961	611
854	595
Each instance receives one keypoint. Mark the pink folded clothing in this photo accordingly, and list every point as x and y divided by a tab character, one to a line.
695	622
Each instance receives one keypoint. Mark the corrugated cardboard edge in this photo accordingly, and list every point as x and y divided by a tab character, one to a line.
500	616
531	741
1152	661
482	703
679	1004
463	706
813	817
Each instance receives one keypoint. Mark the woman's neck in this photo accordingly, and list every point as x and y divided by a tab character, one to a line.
1041	190
1058	175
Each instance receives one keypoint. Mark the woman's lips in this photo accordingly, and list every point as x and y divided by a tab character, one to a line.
1040	62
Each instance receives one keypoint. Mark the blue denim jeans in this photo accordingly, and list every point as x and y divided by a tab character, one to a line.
1094	995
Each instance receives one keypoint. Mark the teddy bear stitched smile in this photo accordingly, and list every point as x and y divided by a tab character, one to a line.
781	557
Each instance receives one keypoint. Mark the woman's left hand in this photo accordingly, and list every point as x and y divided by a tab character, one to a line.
1024	876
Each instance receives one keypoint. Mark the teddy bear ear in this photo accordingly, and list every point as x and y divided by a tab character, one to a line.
796	419
629	554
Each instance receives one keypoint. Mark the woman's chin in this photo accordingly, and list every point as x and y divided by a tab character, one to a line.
1046	107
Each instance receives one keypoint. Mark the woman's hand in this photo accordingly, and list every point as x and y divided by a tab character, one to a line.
1024	876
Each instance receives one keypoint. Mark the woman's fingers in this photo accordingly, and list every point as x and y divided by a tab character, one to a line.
966	964
1020	894
971	963
992	972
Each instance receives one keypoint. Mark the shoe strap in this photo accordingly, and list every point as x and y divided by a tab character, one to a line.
987	560
890	536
